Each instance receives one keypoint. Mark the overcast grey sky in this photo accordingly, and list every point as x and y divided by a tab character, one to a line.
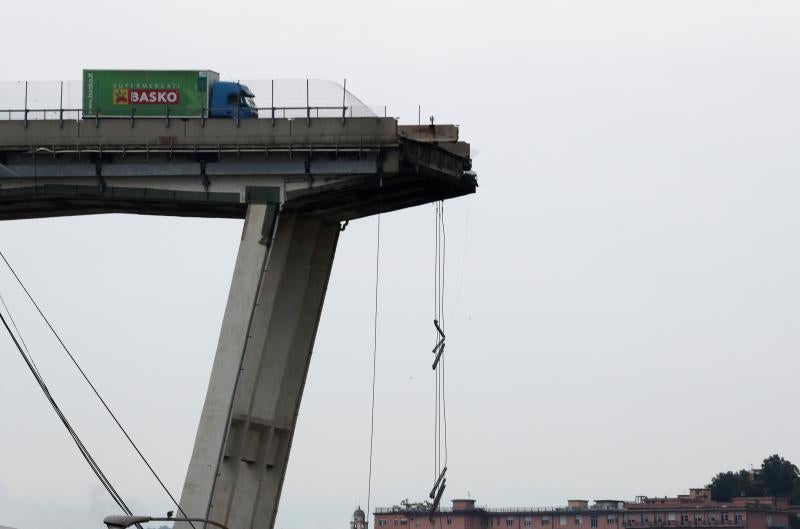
622	298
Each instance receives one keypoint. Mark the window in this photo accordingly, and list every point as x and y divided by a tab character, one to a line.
395	521
381	522
593	521
725	517
684	518
671	517
562	520
769	520
659	518
645	519
578	519
545	520
449	521
528	521
611	518
404	522
509	522
737	518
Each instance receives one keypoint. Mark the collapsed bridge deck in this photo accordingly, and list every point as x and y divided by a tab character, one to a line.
337	169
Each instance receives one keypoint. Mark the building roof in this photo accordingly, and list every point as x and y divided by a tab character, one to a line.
358	515
694	502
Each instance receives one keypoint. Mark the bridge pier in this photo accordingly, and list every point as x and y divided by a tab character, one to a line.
260	368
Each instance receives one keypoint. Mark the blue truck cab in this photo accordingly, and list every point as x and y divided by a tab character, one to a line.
232	100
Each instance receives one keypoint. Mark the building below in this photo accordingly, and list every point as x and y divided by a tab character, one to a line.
359	520
693	510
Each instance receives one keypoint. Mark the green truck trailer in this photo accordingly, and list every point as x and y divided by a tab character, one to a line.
160	93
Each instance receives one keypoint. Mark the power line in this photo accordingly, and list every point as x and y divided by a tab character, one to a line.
91	385
16	329
81	447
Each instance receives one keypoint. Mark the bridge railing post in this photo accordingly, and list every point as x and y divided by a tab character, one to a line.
25	117
344	102
308	106
238	104
61	107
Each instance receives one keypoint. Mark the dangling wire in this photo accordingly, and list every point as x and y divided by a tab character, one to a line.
441	319
440	456
374	362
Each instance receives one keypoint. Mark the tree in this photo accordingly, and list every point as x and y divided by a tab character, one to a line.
779	476
727	485
794	499
413	506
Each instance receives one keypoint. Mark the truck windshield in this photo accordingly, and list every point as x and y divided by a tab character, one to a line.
248	102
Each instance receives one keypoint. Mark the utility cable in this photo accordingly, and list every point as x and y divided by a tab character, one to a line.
81	447
91	385
16	329
374	362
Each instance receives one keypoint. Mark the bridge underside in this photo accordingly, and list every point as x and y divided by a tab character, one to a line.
334	170
293	182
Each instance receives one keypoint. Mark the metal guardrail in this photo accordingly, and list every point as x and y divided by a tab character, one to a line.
541	509
678	524
46	101
563	510
76	114
598	511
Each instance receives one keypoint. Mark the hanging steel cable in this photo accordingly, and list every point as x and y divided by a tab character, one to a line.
374	361
440	457
441	319
88	381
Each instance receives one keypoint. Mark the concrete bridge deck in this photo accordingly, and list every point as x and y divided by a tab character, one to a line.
337	169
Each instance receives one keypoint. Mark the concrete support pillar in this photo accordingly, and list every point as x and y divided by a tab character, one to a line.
260	369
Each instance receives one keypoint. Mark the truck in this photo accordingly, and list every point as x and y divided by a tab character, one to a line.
164	93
